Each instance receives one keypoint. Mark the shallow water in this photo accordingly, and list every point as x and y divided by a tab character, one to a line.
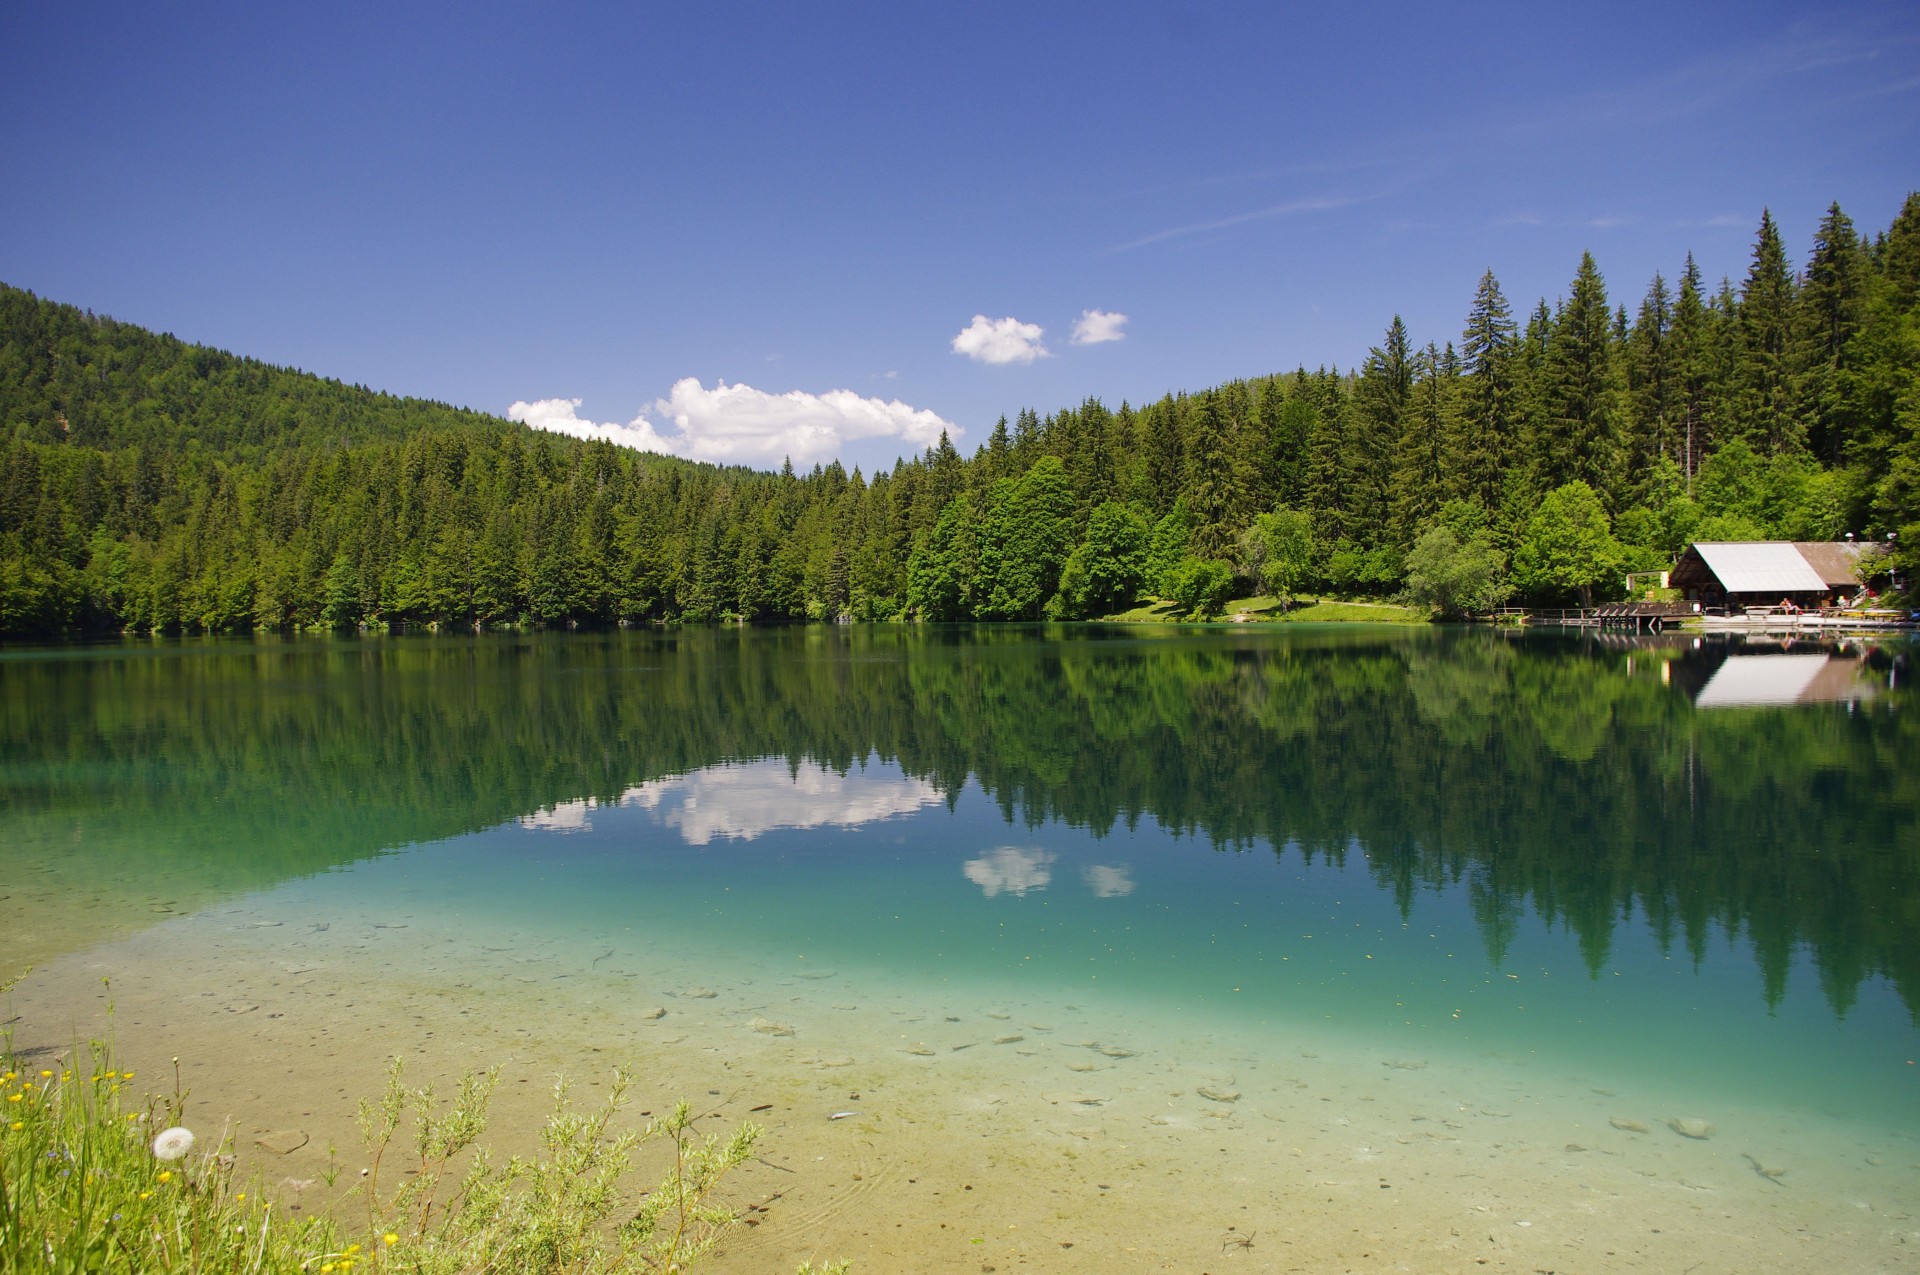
1477	914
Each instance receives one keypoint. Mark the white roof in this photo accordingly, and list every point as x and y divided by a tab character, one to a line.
1755	566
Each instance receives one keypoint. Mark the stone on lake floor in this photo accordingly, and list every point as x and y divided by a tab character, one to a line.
700	993
768	1027
1218	1095
282	1141
1688	1127
1628	1124
1008	1040
655	1014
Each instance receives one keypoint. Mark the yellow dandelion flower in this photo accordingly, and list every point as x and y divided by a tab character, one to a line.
146	1195
46	1075
239	1197
352	1249
389	1238
15	1097
166	1175
327	1269
19	1125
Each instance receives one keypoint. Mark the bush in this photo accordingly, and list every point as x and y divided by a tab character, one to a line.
1201	587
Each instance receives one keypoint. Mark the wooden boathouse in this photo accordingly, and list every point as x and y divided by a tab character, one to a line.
1736	575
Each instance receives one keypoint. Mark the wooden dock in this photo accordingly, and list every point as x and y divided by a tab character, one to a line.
1656	617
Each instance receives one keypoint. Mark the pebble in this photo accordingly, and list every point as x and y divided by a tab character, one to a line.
1688	1127
1628	1124
654	1014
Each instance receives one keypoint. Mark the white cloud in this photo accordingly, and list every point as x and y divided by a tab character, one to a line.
1108	882
1000	341
740	425
1097	326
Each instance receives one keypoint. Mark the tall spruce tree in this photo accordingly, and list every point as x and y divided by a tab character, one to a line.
1579	421
1381	399
1832	300
1767	347
1480	444
1650	385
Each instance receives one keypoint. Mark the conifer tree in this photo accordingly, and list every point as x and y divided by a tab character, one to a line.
1650	383
1480	443
1767	346
1212	485
1381	399
1831	302
1579	426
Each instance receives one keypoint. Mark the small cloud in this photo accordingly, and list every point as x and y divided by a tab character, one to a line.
1010	869
1108	882
1000	341
1096	327
740	425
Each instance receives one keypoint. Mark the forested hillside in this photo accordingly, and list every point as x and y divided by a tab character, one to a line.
146	483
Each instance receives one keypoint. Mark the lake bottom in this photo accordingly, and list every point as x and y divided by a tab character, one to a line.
981	1111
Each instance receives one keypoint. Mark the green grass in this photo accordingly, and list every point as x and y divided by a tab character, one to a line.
83	1189
1356	613
1264	609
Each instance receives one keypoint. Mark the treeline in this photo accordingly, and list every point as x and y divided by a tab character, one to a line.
150	484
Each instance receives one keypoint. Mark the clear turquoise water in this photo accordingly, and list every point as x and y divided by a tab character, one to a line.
1446	845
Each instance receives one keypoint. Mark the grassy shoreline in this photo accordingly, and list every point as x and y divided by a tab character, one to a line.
99	1176
1266	609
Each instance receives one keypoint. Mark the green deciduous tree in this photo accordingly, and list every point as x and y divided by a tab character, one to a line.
1569	546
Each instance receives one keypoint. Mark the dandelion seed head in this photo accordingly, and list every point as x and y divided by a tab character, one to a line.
173	1144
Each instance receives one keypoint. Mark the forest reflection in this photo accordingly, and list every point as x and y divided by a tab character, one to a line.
1594	781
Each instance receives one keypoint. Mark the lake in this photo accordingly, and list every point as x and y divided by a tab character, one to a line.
1081	948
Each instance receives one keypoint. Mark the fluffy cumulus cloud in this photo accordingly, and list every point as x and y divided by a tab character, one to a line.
1000	340
740	425
1097	326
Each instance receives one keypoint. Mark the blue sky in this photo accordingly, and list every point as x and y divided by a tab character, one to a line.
739	231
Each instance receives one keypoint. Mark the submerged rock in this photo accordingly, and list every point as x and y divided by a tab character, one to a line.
282	1141
1628	1124
1688	1127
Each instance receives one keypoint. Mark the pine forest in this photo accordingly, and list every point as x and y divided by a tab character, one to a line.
147	484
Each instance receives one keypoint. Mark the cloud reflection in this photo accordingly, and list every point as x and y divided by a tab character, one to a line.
1108	882
747	799
1010	869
